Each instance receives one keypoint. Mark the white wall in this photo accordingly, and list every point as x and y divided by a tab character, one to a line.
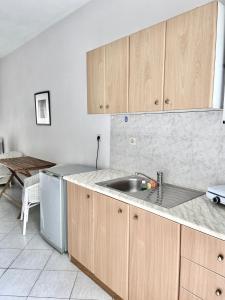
55	61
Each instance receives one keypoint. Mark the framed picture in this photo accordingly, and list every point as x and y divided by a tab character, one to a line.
42	108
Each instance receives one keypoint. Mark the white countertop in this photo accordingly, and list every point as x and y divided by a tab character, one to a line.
199	213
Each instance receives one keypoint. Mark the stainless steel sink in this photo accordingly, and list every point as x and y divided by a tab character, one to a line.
165	195
129	184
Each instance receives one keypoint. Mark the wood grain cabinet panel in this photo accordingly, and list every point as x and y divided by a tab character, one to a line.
190	56
96	80
111	239
80	225
147	51
116	76
185	295
203	249
154	257
203	283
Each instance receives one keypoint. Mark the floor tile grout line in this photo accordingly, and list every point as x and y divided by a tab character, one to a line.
14	248
41	270
3	272
40	274
30	240
73	285
13	296
2	237
13	227
21	250
56	298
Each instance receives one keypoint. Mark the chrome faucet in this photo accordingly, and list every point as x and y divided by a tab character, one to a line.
159	176
142	174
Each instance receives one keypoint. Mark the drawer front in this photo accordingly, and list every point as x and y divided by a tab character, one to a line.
203	283
185	295
203	249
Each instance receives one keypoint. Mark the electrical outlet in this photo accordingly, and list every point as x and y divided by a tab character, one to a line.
132	141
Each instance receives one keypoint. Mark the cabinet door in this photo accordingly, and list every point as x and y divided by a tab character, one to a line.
154	257
96	80
111	234
190	56
147	51
80	225
116	76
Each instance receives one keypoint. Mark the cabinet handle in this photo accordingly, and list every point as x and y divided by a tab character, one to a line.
120	211
218	292
101	106
88	196
107	106
167	101
220	257
156	102
135	217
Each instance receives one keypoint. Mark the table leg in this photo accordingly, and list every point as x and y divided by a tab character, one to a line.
18	179
22	184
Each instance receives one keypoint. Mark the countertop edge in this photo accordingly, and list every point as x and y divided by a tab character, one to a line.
107	192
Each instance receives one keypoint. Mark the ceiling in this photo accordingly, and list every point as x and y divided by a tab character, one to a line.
22	20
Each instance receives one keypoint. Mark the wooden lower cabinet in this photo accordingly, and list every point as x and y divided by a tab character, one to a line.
133	252
203	283
111	243
80	225
203	249
154	257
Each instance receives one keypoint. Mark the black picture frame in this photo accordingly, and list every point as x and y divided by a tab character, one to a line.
42	108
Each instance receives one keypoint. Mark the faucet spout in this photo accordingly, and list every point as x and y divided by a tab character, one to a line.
159	177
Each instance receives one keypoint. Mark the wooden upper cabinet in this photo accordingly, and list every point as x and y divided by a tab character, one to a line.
96	80
147	51
111	240
190	56
80	225
116	76
176	64
154	256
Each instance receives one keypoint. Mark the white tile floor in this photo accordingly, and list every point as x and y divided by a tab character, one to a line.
30	269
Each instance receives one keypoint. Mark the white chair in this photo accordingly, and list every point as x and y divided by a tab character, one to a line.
4	171
31	197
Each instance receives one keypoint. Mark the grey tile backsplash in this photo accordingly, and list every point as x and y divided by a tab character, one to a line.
189	147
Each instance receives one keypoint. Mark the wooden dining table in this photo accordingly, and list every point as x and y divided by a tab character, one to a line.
23	165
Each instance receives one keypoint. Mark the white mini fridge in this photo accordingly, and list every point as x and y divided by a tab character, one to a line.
53	203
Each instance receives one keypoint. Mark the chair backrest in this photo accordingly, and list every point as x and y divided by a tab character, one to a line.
11	154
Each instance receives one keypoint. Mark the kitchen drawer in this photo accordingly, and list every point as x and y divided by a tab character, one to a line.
201	282
203	249
185	295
